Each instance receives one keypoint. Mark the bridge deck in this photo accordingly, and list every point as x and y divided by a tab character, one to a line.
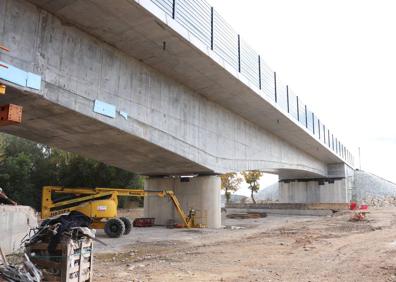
181	42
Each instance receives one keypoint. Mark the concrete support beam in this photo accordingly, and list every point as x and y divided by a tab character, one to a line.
200	193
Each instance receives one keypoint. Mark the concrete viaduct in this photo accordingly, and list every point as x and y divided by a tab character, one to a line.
163	88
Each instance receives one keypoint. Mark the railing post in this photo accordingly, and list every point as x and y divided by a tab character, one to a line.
306	116
275	88
298	109
211	27
239	53
328	138
174	9
313	123
259	70
287	96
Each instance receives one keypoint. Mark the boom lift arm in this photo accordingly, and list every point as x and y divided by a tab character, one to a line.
101	203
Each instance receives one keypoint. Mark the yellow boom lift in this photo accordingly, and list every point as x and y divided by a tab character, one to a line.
101	204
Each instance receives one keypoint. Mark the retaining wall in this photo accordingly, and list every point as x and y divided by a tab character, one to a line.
15	222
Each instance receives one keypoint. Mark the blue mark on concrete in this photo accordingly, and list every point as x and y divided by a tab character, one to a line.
105	109
33	81
20	77
13	74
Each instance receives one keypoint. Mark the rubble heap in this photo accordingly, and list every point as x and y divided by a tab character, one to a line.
380	201
60	249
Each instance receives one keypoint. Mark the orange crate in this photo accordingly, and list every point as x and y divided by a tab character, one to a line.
10	114
2	88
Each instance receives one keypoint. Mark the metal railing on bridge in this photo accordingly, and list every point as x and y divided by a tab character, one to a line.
206	24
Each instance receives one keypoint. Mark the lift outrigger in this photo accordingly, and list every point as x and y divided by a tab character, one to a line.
101	204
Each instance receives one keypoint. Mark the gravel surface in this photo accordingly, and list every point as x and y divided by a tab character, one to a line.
276	248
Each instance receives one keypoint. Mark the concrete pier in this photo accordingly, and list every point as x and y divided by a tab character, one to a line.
331	191
200	193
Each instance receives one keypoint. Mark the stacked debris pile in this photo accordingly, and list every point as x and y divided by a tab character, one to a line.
51	231
24	270
380	202
60	249
247	215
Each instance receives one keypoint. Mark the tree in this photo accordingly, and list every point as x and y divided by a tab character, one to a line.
22	167
251	178
25	167
230	183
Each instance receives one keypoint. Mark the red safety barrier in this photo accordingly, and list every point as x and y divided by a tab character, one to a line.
143	222
353	206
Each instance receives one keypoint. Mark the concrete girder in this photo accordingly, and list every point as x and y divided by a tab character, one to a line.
172	128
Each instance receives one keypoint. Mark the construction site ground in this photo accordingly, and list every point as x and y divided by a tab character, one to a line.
275	248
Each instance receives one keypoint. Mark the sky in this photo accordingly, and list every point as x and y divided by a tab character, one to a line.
340	57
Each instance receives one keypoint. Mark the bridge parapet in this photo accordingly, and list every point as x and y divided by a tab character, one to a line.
206	24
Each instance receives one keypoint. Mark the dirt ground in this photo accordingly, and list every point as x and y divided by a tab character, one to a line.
275	248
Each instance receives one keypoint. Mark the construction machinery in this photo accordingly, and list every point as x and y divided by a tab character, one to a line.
101	204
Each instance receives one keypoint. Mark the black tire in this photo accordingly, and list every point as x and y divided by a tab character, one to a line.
114	228
128	225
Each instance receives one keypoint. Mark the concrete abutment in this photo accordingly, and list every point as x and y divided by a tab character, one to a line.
315	191
15	223
336	188
200	193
